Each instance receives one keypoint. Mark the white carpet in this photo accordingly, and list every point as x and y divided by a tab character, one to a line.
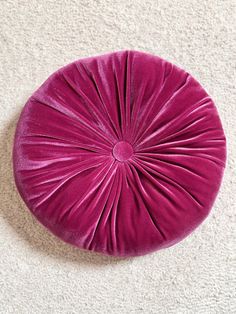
38	272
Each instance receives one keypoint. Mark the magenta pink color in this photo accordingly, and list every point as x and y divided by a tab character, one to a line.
122	151
121	154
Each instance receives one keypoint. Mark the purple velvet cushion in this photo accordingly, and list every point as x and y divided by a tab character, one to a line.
121	154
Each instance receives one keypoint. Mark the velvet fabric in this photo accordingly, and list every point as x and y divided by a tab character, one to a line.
121	154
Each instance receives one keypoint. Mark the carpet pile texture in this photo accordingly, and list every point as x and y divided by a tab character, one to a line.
38	272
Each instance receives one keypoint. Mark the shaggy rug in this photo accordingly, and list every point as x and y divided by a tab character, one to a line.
38	272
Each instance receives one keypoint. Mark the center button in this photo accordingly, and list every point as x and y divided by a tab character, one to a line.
122	151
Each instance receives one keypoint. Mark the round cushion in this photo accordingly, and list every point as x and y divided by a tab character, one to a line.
121	154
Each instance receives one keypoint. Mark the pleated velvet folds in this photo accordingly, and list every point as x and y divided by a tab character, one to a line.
121	154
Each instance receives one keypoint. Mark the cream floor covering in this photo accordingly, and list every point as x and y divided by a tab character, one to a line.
38	272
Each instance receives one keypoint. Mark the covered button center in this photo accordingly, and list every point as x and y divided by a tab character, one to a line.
122	151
